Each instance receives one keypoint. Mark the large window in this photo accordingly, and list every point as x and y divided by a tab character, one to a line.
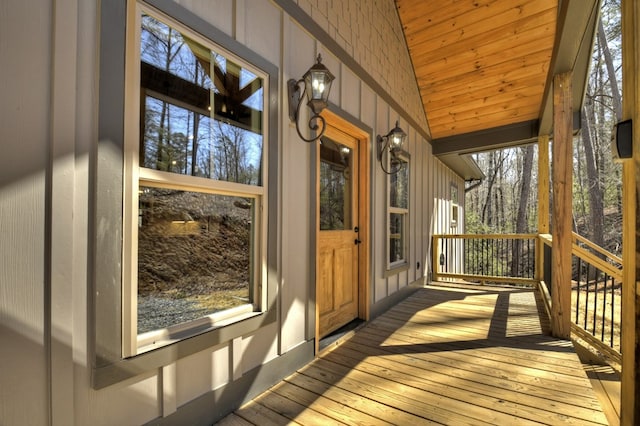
398	214
195	196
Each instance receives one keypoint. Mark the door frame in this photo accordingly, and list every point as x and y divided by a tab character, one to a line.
363	219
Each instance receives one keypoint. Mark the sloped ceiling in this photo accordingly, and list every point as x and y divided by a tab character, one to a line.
485	68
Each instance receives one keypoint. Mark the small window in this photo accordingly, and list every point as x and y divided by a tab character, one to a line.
194	200
454	205
398	213
454	215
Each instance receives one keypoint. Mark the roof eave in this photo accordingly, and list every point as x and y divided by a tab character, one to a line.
576	31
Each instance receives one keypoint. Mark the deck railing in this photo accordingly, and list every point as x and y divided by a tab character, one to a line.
495	258
526	259
596	287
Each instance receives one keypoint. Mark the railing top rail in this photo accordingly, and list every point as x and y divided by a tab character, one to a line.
488	236
488	278
604	266
546	239
594	246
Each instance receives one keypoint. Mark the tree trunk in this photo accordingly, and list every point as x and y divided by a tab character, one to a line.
523	202
615	95
613	81
194	145
494	168
596	211
487	213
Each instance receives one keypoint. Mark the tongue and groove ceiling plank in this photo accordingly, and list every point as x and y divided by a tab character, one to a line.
479	64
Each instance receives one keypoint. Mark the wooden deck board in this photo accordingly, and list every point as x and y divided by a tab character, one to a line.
234	420
484	356
466	379
515	402
468	356
606	385
468	362
257	414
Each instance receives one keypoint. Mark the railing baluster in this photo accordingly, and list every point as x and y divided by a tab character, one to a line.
528	259
473	256
479	266
485	260
577	320
531	262
500	257
478	256
613	293
483	253
531	265
586	299
465	268
446	255
525	258
493	259
504	255
496	257
489	258
604	306
579	277
595	299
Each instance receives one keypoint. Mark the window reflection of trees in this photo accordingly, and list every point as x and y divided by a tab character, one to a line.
398	212
189	124
335	181
200	116
399	184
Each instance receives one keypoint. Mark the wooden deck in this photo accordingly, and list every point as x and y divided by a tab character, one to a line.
473	356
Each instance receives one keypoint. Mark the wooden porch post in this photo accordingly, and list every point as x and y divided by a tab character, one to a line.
562	205
630	392
543	203
543	184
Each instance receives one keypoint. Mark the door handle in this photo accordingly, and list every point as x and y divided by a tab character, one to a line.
356	241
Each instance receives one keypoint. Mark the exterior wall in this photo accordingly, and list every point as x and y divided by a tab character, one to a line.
47	184
370	32
24	120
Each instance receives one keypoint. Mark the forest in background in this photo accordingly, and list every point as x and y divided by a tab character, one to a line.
506	200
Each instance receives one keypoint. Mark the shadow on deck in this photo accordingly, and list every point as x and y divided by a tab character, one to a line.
445	355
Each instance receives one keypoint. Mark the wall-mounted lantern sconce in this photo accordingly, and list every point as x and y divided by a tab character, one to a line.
391	142
317	85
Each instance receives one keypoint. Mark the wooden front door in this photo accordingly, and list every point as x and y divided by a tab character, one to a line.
338	234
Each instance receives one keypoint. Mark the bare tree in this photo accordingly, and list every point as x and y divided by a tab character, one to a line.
231	162
523	201
596	208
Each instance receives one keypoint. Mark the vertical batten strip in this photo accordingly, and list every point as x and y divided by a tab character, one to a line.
60	196
543	184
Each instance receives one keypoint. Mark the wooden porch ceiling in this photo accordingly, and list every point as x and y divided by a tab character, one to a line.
484	68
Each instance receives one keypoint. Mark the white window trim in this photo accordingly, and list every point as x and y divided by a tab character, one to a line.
158	338
402	264
134	176
403	237
454	204
455	213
